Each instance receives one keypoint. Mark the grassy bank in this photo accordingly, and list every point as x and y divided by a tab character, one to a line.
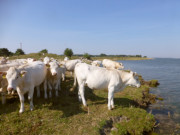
65	115
39	56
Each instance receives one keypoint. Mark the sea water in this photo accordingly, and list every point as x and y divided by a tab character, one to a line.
167	72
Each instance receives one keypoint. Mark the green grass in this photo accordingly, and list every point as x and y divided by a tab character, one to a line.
66	116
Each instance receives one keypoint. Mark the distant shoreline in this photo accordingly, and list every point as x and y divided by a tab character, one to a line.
121	58
39	55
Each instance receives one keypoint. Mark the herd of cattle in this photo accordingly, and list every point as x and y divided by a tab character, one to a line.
24	75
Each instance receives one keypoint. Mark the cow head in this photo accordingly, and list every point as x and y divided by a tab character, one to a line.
14	77
54	67
119	66
133	80
46	60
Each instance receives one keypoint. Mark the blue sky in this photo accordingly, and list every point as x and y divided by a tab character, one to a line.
146	27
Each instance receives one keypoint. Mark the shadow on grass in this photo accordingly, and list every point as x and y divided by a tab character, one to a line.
11	105
68	102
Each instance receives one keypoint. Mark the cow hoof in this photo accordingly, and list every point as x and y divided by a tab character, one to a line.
109	108
21	111
72	89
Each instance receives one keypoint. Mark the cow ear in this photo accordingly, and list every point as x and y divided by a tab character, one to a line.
23	73
3	74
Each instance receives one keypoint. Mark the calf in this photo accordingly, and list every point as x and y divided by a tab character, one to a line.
54	77
101	78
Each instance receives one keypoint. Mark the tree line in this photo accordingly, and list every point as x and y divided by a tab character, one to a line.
6	52
67	52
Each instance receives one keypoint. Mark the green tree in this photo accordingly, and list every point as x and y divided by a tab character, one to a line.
102	55
5	52
19	52
87	56
68	52
138	55
44	51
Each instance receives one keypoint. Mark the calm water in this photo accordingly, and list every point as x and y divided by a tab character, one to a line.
167	72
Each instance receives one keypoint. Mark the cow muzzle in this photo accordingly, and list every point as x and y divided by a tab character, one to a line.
54	74
10	89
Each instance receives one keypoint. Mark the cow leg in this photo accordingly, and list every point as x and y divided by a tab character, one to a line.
110	98
30	97
71	74
56	87
59	86
45	89
81	90
3	98
50	89
63	77
74	85
112	101
79	96
21	97
38	91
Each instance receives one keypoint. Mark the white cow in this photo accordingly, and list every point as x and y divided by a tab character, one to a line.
29	60
54	77
112	64
66	58
70	64
3	60
46	60
6	66
97	63
25	78
102	78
